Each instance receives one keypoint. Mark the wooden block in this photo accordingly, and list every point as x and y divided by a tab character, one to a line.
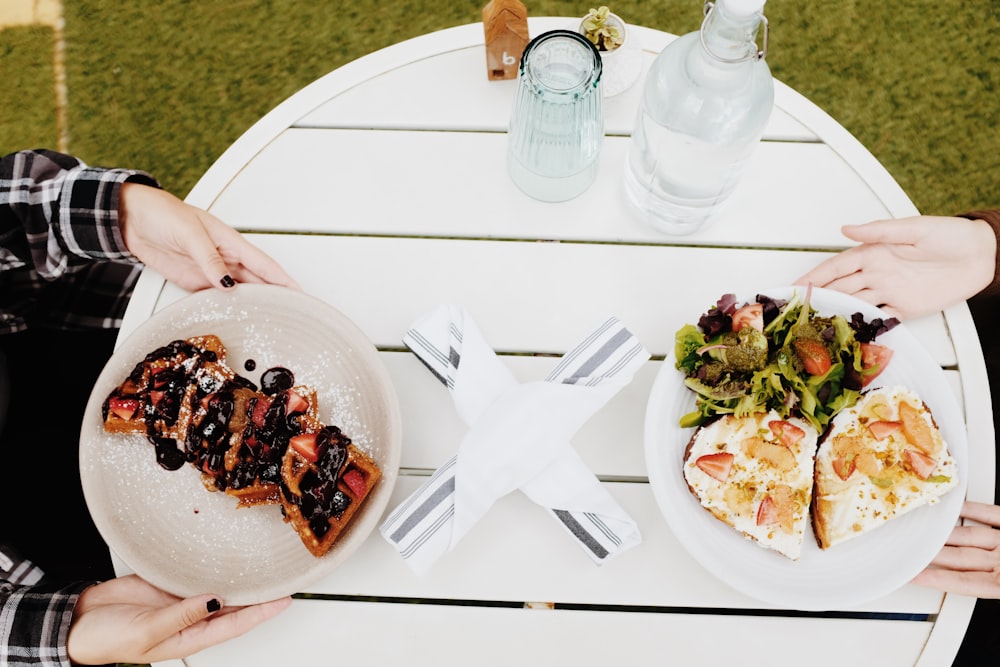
505	24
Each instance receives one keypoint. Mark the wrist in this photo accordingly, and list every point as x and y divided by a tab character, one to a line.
131	197
991	219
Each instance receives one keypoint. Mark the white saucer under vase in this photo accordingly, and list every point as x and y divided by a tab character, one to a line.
621	66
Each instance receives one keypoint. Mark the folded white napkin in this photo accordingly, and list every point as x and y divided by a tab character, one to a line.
518	438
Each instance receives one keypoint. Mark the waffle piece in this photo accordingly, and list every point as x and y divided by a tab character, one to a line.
156	397
238	438
253	463
325	481
215	428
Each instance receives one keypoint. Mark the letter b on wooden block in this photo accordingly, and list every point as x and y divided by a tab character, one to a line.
505	24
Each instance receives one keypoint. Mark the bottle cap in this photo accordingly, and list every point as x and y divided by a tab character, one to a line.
743	7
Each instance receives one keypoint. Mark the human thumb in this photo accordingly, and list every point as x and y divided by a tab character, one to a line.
183	614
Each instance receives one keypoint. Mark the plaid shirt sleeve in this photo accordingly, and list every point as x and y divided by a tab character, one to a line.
34	616
64	264
63	261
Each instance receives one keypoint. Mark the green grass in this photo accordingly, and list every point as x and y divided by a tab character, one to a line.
29	118
168	86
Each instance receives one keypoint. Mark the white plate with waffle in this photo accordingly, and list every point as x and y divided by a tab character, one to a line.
165	525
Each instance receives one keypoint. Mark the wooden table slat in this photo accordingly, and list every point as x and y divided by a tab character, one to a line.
398	189
493	279
446	635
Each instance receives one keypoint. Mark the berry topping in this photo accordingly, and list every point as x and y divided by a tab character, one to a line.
716	465
843	467
787	433
922	465
276	380
305	444
167	454
123	408
296	403
355	481
882	429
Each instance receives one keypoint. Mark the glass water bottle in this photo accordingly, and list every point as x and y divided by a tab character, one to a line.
705	103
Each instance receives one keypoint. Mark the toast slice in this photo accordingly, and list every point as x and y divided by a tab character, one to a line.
755	474
879	459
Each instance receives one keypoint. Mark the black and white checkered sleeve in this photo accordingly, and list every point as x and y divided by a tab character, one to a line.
34	616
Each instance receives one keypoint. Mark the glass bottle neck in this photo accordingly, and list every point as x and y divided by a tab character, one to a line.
731	39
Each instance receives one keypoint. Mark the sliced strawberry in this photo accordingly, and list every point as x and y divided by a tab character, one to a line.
814	355
260	408
874	359
750	315
355	481
296	403
843	466
922	465
158	381
716	466
767	512
305	445
882	429
124	408
787	433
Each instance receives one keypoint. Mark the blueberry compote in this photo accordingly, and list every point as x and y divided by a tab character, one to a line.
166	377
262	420
319	499
172	368
169	369
225	405
207	441
265	440
276	380
167	454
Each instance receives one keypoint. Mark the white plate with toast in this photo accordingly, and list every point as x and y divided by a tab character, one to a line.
845	575
165	525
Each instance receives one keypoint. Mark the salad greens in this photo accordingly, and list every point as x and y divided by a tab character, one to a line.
780	355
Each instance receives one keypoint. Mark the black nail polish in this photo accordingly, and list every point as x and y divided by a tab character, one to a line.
213	605
227	281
